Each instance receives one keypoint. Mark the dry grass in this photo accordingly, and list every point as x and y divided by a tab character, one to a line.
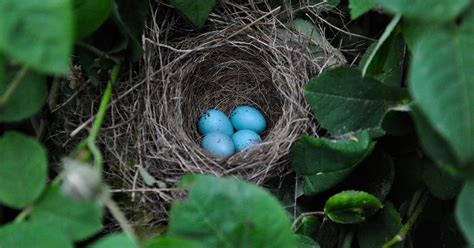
244	55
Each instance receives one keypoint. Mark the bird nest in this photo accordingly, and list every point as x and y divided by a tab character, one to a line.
245	55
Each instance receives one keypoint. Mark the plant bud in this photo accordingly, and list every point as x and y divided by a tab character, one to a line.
81	181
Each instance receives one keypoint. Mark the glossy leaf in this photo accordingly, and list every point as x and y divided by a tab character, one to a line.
77	219
39	34
220	212
23	170
27	99
381	228
439	182
426	10
114	240
315	184
196	11
28	235
319	155
441	57
171	242
350	207
464	213
344	102
89	16
360	7
326	162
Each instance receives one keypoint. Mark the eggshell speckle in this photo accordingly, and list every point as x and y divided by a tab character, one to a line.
218	144
245	139
248	118
215	121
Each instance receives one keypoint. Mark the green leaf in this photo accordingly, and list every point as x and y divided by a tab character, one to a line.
305	242
326	162
171	242
78	219
381	228
89	16
27	99
344	102
398	122
316	41
319	155
2	71
28	235
433	144
426	10
23	170
196	11
222	212
114	240
308	226
441	57
38	34
464	213
131	25
387	63
307	28
412	30
360	7
385	36
439	182
350	207
374	175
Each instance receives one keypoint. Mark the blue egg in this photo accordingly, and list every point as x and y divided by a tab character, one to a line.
215	121
248	118
245	139
218	144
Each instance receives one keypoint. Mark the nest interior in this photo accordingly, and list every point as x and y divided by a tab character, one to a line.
239	58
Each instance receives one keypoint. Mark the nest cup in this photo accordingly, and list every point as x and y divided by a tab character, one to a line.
245	55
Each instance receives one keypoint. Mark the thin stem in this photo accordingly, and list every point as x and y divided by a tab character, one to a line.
120	218
348	240
317	213
53	93
23	214
409	224
100	118
96	154
103	104
13	86
414	201
97	51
